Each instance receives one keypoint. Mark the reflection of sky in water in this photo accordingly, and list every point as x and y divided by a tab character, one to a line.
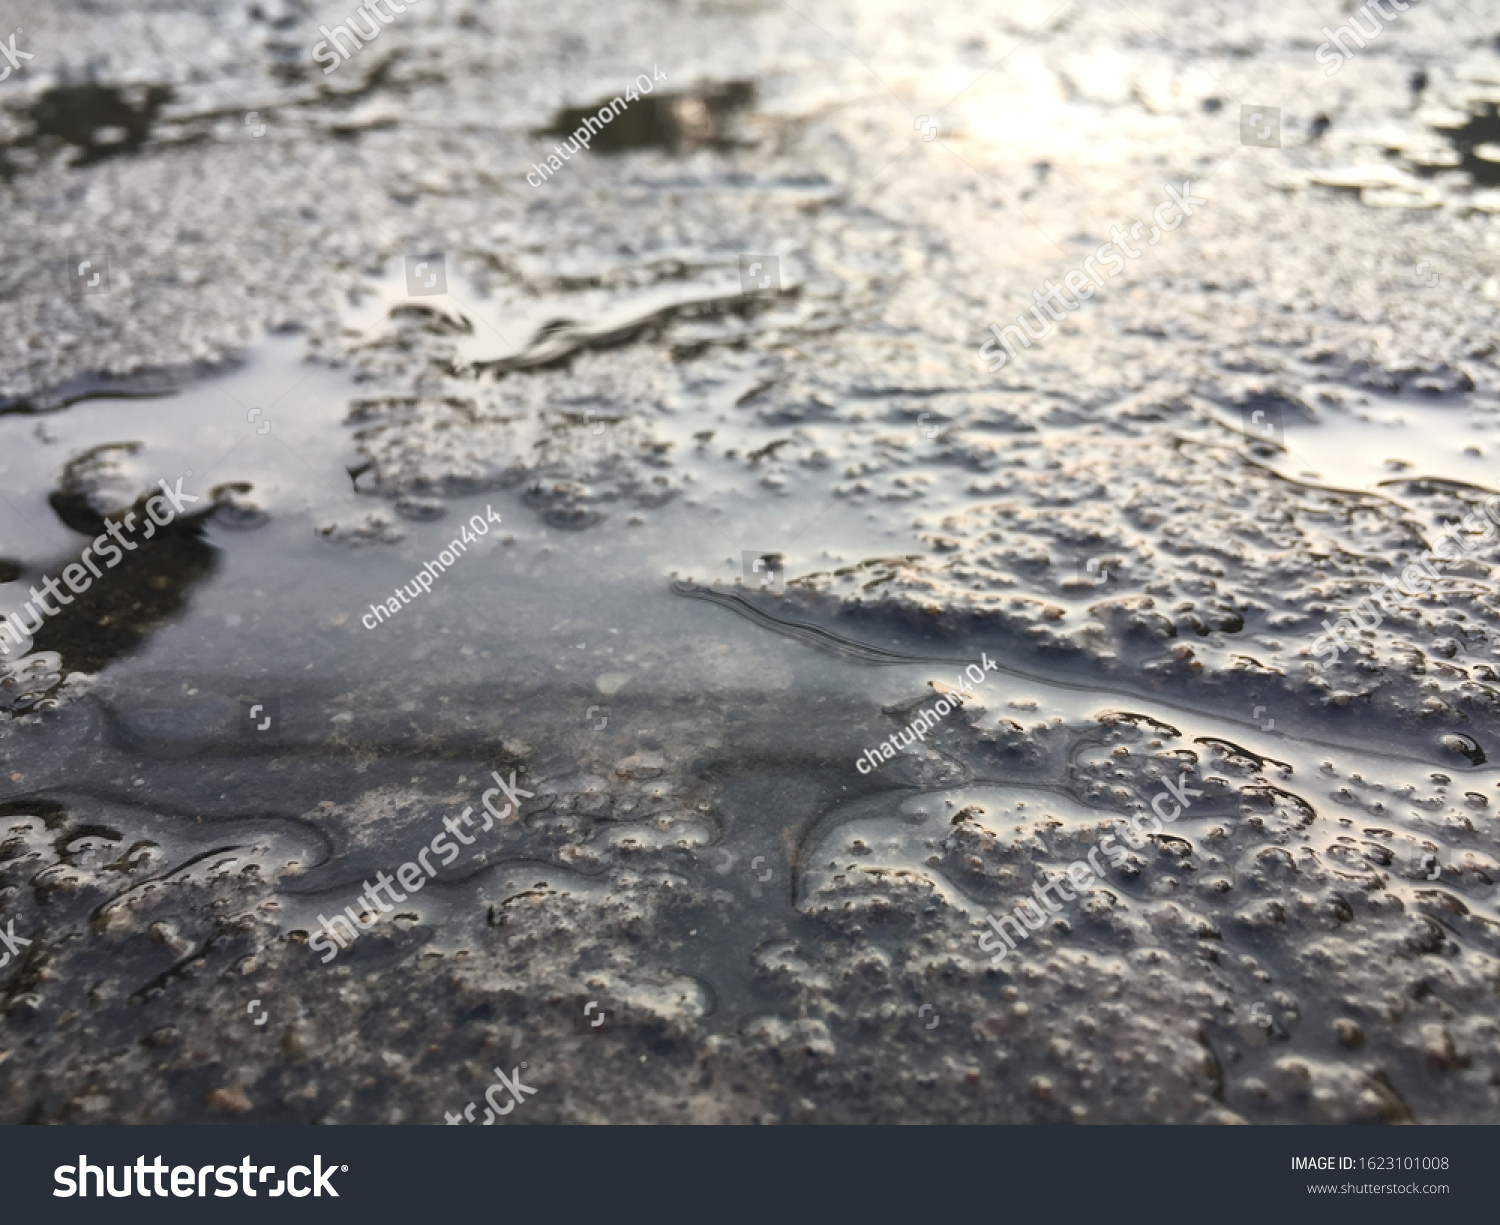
281	597
1362	439
204	435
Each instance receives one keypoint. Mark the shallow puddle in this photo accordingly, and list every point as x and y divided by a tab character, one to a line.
629	561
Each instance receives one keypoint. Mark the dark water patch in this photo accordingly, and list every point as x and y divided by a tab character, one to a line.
1481	130
673	122
120	611
112	613
96	122
99	121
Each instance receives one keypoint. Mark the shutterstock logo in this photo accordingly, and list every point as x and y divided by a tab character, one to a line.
188	1181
